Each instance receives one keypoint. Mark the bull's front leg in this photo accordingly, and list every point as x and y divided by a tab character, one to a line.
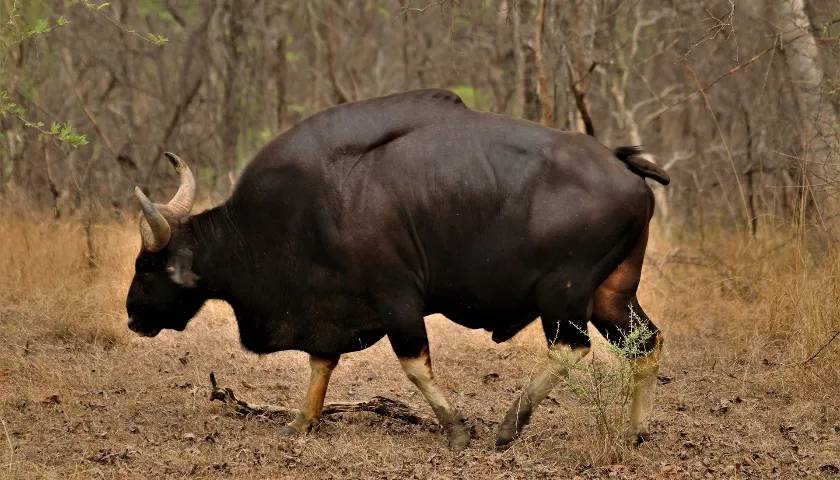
406	331
309	413
418	369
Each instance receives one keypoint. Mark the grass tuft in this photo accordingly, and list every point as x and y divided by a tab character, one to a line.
64	281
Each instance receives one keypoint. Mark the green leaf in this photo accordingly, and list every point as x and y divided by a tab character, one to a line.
41	27
298	109
472	97
157	39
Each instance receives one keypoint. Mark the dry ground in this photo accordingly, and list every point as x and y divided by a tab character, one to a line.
81	397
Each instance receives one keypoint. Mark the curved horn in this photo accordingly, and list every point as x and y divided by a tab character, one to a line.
182	202
154	229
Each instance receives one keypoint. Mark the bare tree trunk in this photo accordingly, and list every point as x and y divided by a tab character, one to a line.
518	108
230	114
340	93
816	115
542	83
582	42
54	192
406	40
500	72
751	171
280	80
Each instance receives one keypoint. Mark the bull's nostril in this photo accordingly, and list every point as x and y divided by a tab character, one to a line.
139	328
132	324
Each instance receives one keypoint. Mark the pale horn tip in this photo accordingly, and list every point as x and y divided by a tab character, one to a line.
138	192
175	160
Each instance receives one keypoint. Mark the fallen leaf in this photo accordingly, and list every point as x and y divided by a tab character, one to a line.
722	408
829	469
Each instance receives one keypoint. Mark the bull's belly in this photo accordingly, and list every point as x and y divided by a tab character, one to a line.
323	324
503	321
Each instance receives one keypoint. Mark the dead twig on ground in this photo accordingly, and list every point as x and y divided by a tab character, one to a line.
226	396
11	445
381	406
822	348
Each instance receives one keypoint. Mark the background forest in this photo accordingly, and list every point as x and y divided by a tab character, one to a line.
738	99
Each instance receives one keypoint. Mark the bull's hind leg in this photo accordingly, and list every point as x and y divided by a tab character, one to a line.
407	334
560	358
320	371
645	372
567	344
622	327
619	317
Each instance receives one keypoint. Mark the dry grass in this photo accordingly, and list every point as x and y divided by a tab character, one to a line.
777	299
54	285
83	398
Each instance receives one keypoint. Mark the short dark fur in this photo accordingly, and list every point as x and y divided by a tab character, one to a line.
363	218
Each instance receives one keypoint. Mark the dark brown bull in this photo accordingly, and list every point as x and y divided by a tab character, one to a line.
366	217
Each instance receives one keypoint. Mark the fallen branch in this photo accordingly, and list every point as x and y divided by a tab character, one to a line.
381	406
226	396
11	445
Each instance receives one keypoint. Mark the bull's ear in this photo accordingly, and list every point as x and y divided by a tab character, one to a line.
180	268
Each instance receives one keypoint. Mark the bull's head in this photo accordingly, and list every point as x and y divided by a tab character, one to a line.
165	293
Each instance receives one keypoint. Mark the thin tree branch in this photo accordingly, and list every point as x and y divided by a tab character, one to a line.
723	140
170	129
836	334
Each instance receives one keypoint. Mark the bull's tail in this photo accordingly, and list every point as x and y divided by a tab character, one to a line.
632	157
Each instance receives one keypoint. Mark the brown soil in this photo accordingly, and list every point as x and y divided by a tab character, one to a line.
734	400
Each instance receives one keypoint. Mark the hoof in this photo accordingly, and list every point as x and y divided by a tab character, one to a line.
459	440
507	434
459	435
639	438
514	422
503	441
287	431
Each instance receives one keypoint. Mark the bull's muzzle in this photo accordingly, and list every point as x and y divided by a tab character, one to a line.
140	328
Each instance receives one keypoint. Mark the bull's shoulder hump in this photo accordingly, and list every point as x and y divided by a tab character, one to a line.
358	127
414	104
434	96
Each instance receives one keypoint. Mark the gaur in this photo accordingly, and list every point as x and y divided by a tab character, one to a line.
362	219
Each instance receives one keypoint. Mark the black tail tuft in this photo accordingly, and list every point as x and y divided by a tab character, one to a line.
640	166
